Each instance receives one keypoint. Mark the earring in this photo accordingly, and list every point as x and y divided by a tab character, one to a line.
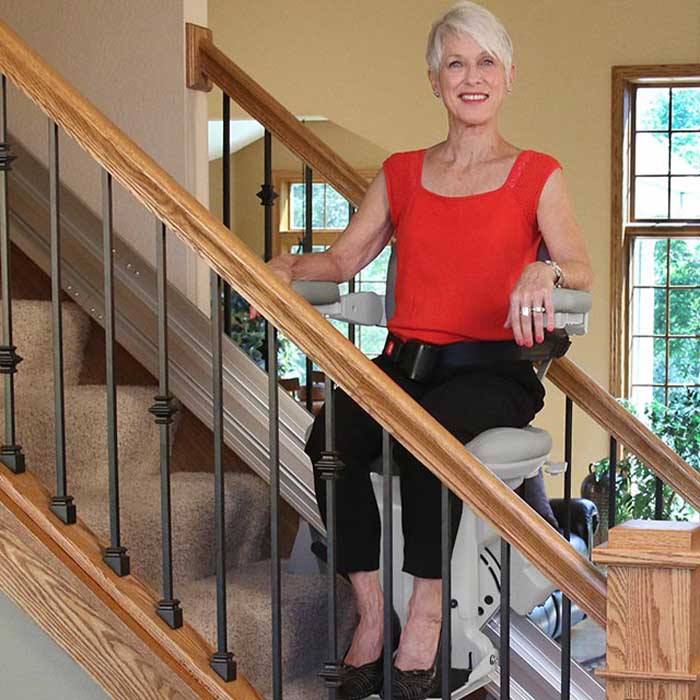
436	93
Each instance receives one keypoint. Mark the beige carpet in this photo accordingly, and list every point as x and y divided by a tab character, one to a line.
246	505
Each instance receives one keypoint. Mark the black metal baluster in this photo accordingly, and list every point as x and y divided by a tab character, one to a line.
222	660
169	607
565	639
446	593
330	468
276	582
11	454
226	197
308	247
505	621
388	563
612	484
352	330
115	555
658	499
61	504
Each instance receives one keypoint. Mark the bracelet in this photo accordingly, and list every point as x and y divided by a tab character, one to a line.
559	279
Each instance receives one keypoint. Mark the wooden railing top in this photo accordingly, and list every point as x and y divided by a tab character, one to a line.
588	394
431	443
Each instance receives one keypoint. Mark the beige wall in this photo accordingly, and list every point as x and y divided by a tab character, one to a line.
361	65
247	175
127	58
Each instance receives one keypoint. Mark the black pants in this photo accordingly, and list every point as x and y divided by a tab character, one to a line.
466	401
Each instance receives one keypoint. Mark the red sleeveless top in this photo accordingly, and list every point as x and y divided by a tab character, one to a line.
460	257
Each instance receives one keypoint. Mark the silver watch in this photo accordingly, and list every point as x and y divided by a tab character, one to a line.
559	280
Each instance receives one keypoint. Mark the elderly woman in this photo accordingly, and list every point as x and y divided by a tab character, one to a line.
469	215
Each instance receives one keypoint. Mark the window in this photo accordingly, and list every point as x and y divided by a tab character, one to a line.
656	233
331	214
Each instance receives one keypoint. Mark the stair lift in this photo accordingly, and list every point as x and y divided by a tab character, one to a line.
513	454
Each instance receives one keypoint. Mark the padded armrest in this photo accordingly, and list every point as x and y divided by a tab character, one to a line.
584	517
571	306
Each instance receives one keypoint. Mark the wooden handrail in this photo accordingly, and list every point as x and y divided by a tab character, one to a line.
431	443
567	376
628	429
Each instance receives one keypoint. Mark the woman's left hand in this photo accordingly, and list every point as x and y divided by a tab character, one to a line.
531	304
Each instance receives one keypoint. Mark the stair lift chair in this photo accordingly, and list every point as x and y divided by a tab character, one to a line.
513	455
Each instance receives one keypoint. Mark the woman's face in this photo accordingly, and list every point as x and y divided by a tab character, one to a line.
471	81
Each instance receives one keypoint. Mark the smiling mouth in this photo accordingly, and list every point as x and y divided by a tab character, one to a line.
473	97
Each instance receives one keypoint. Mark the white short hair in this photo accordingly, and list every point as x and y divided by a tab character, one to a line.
481	25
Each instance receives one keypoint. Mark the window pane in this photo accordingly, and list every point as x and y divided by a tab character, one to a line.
377	269
684	363
685	197
649	312
686	108
685	261
318	204
651	154
376	287
651	198
641	396
685	159
372	339
648	361
652	108
336	209
685	311
649	263
296	202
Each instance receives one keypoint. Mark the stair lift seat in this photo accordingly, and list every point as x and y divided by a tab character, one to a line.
513	454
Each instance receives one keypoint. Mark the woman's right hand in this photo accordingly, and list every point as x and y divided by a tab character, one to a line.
282	267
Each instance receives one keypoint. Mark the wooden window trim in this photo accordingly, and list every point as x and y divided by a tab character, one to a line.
624	79
281	235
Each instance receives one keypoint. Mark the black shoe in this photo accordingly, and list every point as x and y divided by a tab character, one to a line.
420	684
358	682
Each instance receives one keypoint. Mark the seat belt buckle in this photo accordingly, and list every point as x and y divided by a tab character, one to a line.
418	360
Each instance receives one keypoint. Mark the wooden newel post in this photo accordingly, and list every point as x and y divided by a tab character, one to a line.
653	611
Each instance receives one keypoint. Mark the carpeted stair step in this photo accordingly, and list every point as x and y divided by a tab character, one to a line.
304	620
86	433
33	336
192	503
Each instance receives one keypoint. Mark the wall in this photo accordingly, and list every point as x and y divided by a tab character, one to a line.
128	59
247	175
33	666
361	65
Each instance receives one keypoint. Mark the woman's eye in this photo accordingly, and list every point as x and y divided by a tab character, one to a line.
489	61
455	64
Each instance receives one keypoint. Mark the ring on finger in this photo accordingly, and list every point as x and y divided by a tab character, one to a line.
525	311
538	309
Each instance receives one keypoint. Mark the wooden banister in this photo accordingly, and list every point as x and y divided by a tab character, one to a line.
571	379
490	498
629	430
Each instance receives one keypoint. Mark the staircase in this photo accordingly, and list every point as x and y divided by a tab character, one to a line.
247	505
245	509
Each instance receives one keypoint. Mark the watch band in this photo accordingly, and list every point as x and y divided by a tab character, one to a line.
559	279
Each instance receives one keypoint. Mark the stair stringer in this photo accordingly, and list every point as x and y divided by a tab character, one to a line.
245	384
84	630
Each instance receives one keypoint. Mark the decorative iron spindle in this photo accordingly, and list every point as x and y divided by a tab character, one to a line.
276	576
11	454
169	607
330	468
612	484
658	499
505	622
565	639
222	661
308	247
388	563
115	555
226	197
446	592
267	197
61	504
352	284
